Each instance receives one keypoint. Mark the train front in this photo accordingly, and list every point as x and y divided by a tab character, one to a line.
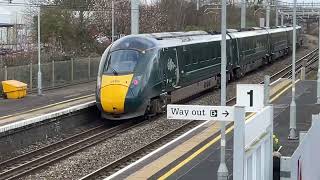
122	78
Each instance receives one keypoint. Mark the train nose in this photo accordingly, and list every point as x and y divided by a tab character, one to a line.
114	90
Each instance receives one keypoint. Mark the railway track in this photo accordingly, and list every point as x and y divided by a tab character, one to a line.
35	160
40	158
116	165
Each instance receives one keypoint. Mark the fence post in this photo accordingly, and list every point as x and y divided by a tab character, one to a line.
5	73
53	79
31	77
71	69
89	66
303	74
266	90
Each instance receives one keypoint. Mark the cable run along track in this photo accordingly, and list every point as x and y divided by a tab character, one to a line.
114	166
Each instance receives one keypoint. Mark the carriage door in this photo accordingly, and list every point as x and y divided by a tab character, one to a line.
170	68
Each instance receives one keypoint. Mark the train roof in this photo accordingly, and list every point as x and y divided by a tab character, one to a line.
277	30
172	39
243	34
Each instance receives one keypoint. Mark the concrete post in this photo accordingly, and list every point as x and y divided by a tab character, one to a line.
5	73
277	13
243	14
303	74
72	78
198	5
268	14
31	76
53	74
135	16
293	107
223	170
266	90
282	16
89	67
113	21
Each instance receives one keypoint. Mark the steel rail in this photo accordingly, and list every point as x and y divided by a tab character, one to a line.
125	160
43	157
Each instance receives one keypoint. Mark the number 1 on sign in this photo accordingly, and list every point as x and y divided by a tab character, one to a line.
251	97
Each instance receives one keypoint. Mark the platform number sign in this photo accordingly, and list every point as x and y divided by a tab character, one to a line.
250	93
251	96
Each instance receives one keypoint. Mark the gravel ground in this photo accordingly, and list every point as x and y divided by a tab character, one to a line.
95	157
47	141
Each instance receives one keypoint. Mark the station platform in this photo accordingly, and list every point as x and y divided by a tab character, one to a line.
196	154
54	100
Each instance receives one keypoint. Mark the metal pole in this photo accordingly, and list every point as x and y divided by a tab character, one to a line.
282	19
243	14
198	5
5	73
303	74
135	16
293	107
53	75
112	21
268	14
277	13
223	170
89	67
31	76
318	74
72	78
266	90
39	56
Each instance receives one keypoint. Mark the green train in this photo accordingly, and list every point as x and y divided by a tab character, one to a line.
140	74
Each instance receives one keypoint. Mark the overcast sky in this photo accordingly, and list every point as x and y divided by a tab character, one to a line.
8	14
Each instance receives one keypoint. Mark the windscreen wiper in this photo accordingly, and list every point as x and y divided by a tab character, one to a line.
114	71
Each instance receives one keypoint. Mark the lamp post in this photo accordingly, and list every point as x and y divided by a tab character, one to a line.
39	55
135	16
223	170
293	107
112	38
318	74
268	14
243	14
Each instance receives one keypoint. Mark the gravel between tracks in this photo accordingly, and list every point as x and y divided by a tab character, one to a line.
95	157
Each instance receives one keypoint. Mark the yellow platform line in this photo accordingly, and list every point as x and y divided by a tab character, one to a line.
216	139
47	106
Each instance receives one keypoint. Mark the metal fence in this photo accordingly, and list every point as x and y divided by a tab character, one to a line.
53	74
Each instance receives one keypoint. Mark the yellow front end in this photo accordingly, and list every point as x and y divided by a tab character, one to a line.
113	92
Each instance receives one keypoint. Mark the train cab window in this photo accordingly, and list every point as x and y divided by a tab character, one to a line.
122	61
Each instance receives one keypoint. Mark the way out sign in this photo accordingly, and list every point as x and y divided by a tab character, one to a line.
197	112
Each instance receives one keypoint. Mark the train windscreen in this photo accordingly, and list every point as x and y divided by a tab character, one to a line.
122	62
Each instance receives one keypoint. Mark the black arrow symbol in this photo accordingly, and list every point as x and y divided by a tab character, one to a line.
226	113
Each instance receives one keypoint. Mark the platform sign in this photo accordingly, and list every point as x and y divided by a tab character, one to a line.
251	96
197	112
